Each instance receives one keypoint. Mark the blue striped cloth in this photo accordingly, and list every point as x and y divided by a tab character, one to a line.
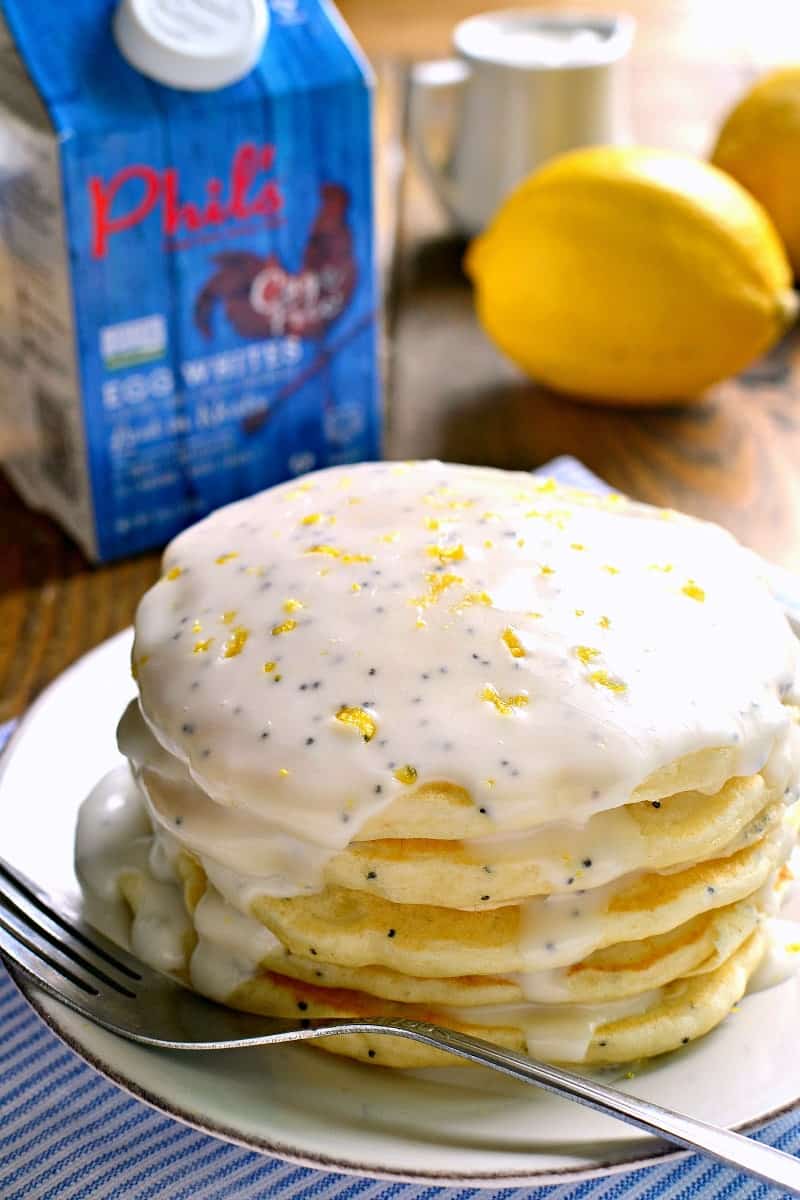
67	1133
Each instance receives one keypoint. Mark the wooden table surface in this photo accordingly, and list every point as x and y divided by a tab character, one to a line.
735	459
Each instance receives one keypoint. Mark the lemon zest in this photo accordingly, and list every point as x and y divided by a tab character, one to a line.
447	553
406	774
504	704
359	719
236	642
515	646
603	679
693	591
436	585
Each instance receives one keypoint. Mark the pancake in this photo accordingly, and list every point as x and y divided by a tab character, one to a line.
682	828
664	1020
471	608
618	972
443	810
637	837
645	835
355	929
440	741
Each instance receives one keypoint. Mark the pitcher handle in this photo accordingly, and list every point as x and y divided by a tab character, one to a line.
436	85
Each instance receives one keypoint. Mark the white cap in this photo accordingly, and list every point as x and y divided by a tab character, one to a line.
192	44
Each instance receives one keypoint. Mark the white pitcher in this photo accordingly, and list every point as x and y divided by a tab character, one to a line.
524	85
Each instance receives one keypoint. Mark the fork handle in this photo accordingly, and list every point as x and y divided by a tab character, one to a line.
755	1158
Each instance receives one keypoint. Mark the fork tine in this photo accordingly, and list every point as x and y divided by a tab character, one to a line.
59	954
64	929
54	978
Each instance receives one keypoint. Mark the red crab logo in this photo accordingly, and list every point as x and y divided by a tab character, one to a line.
262	299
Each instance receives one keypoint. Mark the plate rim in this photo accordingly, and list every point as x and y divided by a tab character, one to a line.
38	1002
554	1175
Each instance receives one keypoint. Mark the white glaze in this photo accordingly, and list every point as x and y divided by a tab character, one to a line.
114	840
552	986
115	836
691	680
544	649
246	857
556	931
111	822
557	1034
229	948
598	851
231	843
782	957
161	928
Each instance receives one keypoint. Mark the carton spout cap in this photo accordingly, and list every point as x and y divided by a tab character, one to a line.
194	45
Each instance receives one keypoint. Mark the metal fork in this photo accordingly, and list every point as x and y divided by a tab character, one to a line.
51	944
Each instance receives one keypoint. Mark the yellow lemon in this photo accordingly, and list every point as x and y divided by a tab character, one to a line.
631	275
759	145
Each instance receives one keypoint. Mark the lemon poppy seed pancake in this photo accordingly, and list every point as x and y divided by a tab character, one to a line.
425	738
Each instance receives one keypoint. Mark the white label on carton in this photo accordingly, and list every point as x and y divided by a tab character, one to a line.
41	411
131	342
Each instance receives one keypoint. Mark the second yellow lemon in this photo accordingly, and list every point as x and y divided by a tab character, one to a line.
759	145
624	274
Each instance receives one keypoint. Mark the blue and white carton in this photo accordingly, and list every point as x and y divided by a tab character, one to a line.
187	283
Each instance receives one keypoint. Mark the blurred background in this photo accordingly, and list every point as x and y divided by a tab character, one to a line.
689	65
467	368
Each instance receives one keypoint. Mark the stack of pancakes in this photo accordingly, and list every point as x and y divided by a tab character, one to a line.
451	743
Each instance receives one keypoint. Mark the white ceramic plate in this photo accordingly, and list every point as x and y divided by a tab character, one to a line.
460	1126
